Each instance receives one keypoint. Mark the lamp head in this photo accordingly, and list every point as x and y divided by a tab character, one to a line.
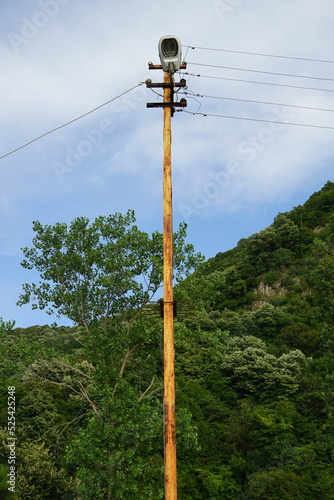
170	53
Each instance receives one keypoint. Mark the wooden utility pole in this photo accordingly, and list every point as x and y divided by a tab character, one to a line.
168	304
168	301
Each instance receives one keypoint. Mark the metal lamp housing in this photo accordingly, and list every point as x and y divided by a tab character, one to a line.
170	53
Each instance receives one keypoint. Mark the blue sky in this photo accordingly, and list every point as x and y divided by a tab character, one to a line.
62	58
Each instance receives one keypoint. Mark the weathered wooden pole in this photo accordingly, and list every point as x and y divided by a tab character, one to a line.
168	304
170	57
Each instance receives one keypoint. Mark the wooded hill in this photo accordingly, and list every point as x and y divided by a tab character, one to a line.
254	367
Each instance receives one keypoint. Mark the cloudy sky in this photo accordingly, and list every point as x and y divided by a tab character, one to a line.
63	58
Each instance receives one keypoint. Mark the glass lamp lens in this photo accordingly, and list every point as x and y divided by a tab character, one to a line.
169	47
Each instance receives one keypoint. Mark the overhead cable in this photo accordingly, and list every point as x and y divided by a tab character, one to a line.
256	120
257	102
257	82
262	54
71	121
259	71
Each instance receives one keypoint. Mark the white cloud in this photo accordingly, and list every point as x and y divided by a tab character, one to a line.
88	53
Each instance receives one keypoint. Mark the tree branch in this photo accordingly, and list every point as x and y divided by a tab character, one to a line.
149	387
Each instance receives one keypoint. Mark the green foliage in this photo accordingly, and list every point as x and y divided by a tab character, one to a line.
38	476
119	456
254	364
91	271
100	275
252	370
317	209
301	336
220	485
4	492
321	279
278	484
274	246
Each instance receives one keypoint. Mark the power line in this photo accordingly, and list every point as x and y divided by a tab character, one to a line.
71	121
256	119
259	71
257	82
262	54
258	102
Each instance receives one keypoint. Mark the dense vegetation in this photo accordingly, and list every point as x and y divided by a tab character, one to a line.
254	361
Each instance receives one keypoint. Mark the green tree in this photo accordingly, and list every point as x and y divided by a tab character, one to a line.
91	272
39	478
253	370
100	275
278	484
321	278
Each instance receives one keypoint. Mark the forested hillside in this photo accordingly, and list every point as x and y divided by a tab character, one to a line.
254	364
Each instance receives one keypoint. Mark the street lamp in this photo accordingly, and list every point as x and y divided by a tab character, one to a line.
170	54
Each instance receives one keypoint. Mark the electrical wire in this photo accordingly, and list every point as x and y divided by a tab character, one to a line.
157	93
257	82
263	72
197	113
71	121
262	54
258	102
255	119
190	96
